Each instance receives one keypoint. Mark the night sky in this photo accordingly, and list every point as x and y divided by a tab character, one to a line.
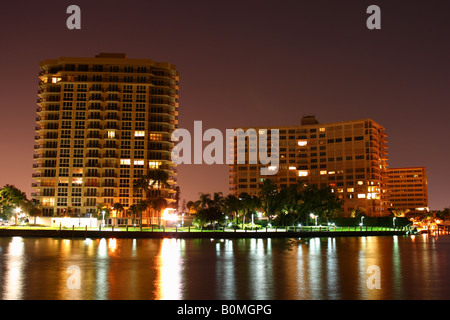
250	63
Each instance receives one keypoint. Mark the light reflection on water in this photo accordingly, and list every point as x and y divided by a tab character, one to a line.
255	269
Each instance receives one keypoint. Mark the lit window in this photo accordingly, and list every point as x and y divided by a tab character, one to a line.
138	162
126	162
63	180
155	136
360	183
302	143
303	173
272	168
331	172
292	168
77	181
55	80
48	202
350	190
323	171
361	195
154	164
111	134
139	133
322	129
262	131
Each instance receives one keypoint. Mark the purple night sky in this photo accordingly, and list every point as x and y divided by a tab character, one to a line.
250	63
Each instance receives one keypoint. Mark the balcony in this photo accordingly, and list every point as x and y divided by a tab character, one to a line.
94	135
109	175
94	126
109	185
111	146
95	117
92	165
108	194
93	145
92	175
110	165
92	155
112	117
111	108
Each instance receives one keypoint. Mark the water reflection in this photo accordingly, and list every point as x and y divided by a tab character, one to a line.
169	264
14	271
257	269
225	275
102	269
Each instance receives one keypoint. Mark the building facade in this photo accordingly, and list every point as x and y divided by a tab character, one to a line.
102	123
350	157
408	189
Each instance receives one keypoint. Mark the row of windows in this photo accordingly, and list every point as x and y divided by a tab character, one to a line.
322	136
124	144
110	68
126	88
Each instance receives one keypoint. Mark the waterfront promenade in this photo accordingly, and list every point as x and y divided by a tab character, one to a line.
192	233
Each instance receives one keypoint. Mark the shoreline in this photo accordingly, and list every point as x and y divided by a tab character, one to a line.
94	234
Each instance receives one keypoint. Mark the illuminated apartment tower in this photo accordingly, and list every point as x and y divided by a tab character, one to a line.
408	189
350	157
102	123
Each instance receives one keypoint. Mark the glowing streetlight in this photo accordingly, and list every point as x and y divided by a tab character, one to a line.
314	217
103	217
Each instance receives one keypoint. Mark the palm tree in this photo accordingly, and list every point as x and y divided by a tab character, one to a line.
143	185
268	196
159	178
203	202
146	183
249	204
159	204
118	207
191	204
138	209
134	209
218	201
232	205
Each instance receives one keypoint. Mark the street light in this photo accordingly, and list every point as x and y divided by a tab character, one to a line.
17	210
103	217
314	217
393	221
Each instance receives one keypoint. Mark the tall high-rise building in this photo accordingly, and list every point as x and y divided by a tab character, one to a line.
102	122
408	189
350	157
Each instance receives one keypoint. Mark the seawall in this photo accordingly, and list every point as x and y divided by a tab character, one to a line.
95	234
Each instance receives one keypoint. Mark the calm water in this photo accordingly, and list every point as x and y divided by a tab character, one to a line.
256	269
